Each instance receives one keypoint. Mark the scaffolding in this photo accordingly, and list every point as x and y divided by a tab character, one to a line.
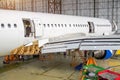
7	4
54	6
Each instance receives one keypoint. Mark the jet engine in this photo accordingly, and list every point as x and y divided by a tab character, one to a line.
103	54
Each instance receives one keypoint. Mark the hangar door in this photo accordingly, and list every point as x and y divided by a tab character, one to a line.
38	28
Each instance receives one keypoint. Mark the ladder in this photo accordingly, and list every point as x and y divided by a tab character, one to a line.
23	50
27	50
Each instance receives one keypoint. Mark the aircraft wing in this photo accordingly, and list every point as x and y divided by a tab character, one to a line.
61	44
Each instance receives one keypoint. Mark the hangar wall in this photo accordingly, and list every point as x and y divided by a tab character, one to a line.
109	9
31	5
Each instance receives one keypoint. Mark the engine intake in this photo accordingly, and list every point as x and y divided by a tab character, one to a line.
103	54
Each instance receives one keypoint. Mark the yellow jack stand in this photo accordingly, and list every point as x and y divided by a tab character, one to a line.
117	52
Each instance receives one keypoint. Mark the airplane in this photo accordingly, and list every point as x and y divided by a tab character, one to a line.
56	33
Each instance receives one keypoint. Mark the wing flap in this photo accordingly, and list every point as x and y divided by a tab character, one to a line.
111	43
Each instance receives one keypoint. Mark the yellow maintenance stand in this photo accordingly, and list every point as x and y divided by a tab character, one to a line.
117	52
90	61
22	50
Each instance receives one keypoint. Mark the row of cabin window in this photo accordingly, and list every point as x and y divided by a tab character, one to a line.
103	25
62	25
9	25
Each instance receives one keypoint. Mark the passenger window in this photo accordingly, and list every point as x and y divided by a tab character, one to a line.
65	25
80	25
48	25
58	25
76	25
44	25
52	25
73	25
2	25
9	25
62	25
70	25
55	25
15	25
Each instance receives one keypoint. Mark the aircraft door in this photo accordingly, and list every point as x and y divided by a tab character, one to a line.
91	27
38	28
28	27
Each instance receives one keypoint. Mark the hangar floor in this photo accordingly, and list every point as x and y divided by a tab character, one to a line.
57	69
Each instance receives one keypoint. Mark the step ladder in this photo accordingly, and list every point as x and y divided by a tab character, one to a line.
33	49
27	50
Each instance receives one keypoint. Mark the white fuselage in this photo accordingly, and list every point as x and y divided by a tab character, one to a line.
44	26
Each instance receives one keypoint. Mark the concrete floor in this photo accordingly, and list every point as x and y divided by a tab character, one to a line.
1	61
115	63
57	69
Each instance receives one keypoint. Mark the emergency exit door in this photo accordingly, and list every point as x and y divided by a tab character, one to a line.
38	28
91	27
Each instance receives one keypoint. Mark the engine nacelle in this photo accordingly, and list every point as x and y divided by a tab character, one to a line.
103	54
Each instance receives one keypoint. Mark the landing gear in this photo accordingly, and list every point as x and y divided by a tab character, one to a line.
46	57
